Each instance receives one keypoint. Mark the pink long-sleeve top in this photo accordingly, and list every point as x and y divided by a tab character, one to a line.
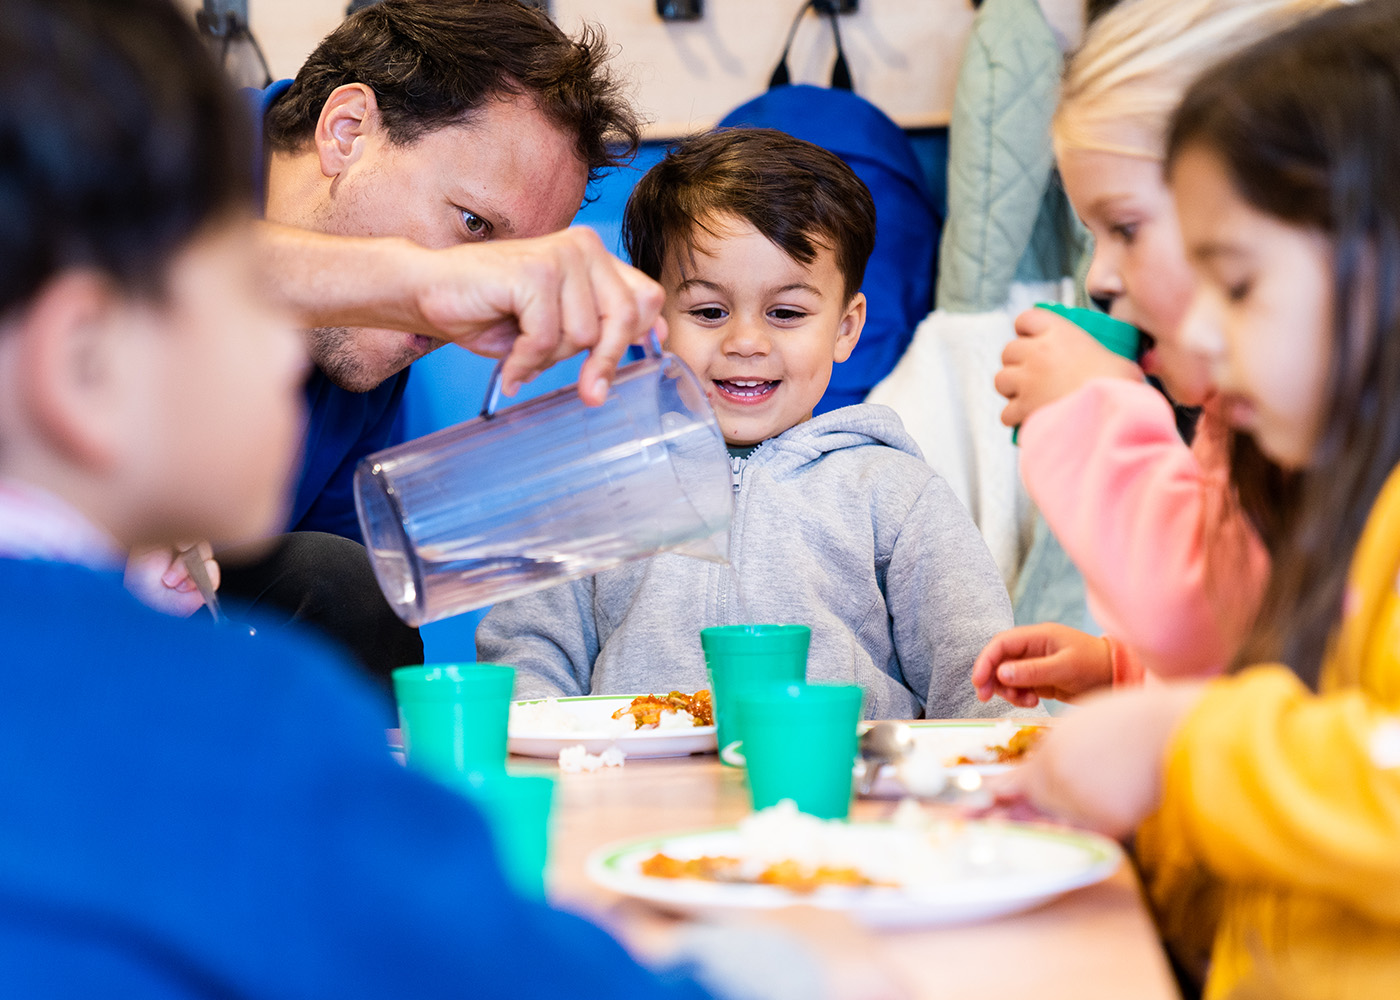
1172	568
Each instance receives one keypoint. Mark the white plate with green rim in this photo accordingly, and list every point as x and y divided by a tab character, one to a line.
587	721
940	743
973	870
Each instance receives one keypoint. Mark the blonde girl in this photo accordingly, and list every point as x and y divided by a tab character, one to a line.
1173	556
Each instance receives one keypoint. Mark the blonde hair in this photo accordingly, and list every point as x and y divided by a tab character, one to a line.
1122	85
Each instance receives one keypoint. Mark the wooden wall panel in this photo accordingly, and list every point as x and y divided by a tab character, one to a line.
903	53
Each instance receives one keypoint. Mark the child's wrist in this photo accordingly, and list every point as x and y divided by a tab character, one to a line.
1124	668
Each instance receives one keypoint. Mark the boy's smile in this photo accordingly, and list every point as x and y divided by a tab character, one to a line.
760	329
746	391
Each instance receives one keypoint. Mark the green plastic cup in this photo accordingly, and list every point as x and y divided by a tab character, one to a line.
739	655
516	808
453	717
800	744
1123	339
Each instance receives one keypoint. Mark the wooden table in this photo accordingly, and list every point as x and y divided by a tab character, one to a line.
1095	942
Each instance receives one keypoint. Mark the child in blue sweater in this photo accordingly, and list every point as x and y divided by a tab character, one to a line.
190	812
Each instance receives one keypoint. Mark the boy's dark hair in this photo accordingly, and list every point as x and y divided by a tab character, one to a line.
798	195
119	141
431	63
1303	123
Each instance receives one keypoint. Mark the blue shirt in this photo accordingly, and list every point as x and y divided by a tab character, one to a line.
342	427
192	813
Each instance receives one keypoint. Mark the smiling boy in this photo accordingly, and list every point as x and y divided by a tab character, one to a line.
761	241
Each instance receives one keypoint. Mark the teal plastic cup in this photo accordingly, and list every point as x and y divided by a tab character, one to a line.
453	717
516	808
800	744
1123	339
739	655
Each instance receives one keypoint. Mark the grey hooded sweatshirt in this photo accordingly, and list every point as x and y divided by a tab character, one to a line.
840	525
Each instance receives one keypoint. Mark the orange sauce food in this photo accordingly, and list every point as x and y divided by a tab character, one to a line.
646	710
787	874
1020	744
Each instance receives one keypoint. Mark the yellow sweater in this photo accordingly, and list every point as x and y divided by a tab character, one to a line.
1276	850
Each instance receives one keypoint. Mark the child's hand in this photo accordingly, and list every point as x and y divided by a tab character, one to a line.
848	956
1100	767
159	579
1049	359
1030	662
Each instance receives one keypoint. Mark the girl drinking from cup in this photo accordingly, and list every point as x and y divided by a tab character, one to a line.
1267	803
1172	554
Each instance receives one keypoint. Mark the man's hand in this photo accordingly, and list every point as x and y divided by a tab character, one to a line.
532	301
1030	662
159	579
538	301
1049	359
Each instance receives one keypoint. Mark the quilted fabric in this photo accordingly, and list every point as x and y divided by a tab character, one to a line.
1007	217
1010	240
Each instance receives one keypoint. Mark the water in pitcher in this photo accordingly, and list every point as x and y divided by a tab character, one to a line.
458	576
738	611
588	489
473	576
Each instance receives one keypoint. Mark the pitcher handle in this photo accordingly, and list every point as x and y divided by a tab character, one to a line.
493	392
651	347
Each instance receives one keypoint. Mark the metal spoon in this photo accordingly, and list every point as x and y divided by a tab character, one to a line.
194	562
881	744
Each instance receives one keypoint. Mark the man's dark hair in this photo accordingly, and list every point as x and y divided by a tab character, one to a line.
798	195
431	63
119	141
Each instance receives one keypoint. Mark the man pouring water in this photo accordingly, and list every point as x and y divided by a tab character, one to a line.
416	140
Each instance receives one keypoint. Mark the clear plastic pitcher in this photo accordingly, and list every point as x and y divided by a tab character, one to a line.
547	491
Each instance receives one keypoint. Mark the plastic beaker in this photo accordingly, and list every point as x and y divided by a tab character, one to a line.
1123	339
453	716
800	744
547	491
737	656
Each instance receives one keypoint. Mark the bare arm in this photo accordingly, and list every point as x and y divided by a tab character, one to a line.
534	301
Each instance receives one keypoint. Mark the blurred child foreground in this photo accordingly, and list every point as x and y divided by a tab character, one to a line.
190	812
761	241
1271	799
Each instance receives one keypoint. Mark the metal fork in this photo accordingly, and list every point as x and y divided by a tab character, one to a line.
194	562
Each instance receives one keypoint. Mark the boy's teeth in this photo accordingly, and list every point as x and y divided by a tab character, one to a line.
746	386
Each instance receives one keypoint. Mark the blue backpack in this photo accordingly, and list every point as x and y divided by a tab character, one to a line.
899	278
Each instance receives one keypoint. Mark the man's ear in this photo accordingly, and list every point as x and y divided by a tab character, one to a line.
852	322
346	119
68	340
